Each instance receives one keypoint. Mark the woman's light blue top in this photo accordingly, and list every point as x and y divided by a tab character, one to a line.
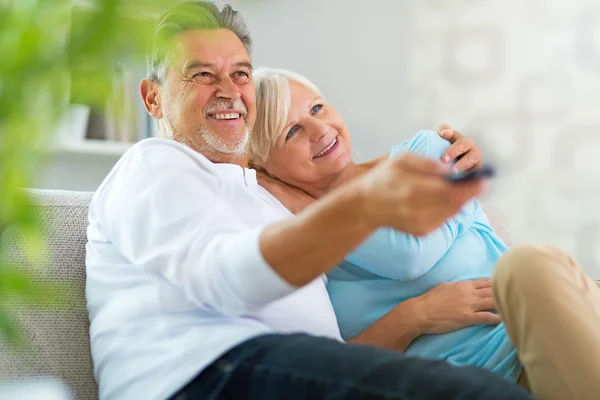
391	267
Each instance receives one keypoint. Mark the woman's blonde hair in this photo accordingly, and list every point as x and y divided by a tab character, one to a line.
272	109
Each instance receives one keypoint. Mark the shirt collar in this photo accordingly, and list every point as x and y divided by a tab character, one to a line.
235	172
250	178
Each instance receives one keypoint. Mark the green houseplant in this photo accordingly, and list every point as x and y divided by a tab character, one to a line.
51	52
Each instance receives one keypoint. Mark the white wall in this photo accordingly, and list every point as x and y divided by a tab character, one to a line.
357	55
72	171
522	76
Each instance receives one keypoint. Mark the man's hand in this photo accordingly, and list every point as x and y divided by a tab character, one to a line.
294	199
410	194
463	149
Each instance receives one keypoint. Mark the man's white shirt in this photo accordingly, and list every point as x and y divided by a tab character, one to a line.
175	276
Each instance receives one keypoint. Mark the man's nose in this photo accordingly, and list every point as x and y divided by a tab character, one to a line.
227	89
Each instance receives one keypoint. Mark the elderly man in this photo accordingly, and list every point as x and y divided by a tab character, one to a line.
198	289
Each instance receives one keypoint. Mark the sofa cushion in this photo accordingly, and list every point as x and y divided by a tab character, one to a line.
58	341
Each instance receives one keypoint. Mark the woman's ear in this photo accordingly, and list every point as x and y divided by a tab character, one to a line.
150	92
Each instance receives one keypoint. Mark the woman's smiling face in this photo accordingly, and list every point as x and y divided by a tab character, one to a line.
314	145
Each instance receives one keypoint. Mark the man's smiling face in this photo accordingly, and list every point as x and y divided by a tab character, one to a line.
208	98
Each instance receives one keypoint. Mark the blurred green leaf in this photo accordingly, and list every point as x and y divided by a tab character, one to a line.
10	330
52	53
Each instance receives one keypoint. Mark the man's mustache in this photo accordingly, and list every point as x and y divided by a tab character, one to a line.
224	105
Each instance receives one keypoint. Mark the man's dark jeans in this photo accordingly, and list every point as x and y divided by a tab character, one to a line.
303	367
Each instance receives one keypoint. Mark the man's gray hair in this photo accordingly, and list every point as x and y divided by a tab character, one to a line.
187	16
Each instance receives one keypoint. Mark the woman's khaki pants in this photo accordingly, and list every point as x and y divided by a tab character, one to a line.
551	309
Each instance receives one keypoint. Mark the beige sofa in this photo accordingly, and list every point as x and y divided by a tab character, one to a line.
59	341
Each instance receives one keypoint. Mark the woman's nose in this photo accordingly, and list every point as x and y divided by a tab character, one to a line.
318	130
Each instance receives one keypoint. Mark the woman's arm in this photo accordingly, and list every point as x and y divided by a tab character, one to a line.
407	193
398	255
463	150
397	329
390	253
445	308
296	200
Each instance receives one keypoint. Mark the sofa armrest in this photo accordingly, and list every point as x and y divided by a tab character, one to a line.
499	222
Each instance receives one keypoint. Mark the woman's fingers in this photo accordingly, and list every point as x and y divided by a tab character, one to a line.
445	131
454	305
472	159
463	149
485	317
486	304
482	283
485	292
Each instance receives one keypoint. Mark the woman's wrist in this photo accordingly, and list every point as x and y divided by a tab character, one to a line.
397	329
412	318
419	314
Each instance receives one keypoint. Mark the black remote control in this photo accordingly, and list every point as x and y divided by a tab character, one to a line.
487	171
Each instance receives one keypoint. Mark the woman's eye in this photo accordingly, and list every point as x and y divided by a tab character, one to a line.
316	108
291	132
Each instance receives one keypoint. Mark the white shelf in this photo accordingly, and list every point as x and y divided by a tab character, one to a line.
94	147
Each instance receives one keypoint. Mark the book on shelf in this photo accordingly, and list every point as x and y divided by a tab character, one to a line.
122	117
125	113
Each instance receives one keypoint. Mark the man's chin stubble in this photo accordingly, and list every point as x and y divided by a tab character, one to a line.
215	143
206	142
213	147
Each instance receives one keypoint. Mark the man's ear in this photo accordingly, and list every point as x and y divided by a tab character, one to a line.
151	97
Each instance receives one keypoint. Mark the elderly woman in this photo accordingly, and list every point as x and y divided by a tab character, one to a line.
301	140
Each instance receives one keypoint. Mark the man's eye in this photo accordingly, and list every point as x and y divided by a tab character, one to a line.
203	75
241	76
316	108
291	132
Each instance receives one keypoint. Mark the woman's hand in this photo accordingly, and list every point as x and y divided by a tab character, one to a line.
445	308
463	149
294	199
454	305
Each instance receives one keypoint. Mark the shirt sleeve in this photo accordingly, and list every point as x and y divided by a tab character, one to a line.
397	255
160	208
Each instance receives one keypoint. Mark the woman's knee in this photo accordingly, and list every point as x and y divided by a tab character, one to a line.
527	265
